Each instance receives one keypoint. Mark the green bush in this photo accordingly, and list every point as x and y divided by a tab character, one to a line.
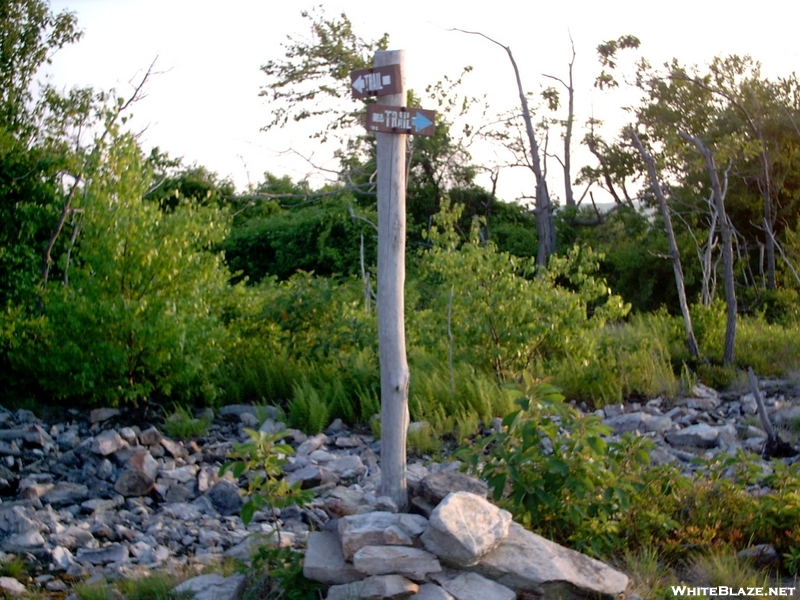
574	489
140	315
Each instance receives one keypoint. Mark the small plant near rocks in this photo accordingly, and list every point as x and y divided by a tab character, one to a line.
262	459
183	425
279	569
13	566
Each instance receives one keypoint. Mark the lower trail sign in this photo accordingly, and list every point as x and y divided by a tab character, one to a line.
399	119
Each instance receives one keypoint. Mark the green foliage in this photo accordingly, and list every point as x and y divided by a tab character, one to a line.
262	459
423	441
307	408
13	566
281	576
140	313
183	425
321	237
503	317
573	488
620	361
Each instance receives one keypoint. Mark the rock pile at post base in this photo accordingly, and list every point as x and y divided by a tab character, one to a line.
468	550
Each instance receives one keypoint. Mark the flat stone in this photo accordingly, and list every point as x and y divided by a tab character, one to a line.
431	591
528	562
214	587
324	560
700	435
311	476
348	467
464	527
377	586
357	531
394	536
183	474
11	586
471	586
66	493
409	562
115	553
98	415
639	421
435	487
107	443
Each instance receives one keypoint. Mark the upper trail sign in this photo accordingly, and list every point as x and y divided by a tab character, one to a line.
377	81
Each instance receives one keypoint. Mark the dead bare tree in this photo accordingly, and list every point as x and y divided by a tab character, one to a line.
727	245
545	223
674	252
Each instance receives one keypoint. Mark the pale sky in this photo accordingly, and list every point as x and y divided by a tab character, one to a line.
204	105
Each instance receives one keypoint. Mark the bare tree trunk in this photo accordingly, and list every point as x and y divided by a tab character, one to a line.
566	164
674	253
391	152
727	247
545	223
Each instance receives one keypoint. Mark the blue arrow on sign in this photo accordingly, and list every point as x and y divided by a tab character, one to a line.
420	121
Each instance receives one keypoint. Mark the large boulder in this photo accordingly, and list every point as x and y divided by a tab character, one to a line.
464	527
528	562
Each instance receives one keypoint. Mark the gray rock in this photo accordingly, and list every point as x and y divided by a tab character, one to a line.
143	461
183	474
431	591
471	586
225	498
324	561
700	435
214	587
383	560
98	415
115	553
237	409
348	467
436	486
66	493
357	531
464	527
133	483
61	558
528	562
377	586
150	437
639	421
11	586
313	443
107	443
175	449
312	476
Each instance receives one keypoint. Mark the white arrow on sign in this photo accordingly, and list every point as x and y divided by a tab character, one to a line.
359	84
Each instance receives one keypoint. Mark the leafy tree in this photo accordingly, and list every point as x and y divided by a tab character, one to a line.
140	315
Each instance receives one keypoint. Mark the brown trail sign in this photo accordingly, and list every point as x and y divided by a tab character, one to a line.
399	119
376	81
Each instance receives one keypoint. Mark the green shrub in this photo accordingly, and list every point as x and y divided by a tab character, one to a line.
183	425
574	488
307	409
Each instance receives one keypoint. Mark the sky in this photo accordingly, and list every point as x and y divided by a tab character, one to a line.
203	104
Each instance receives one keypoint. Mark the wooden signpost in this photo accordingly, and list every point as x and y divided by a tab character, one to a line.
391	121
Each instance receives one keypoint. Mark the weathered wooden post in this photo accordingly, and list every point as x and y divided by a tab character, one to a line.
391	159
391	122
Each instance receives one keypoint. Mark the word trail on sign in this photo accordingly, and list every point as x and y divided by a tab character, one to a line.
399	119
377	81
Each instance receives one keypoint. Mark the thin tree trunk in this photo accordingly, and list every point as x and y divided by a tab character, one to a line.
391	152
545	222
727	247
674	253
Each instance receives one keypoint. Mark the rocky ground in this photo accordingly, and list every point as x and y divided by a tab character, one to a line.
107	494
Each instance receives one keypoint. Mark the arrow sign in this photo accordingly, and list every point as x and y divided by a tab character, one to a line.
377	81
383	118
